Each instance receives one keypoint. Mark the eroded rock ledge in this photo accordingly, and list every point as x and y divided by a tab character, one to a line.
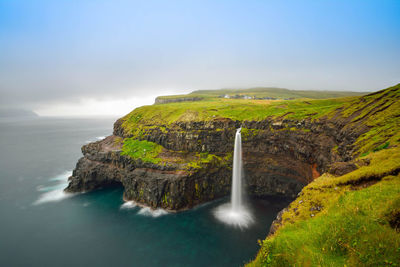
280	158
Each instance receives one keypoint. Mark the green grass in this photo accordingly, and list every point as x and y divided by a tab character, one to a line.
353	226
381	113
150	152
235	109
144	150
383	146
206	158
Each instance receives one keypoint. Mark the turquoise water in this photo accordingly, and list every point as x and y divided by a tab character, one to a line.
40	226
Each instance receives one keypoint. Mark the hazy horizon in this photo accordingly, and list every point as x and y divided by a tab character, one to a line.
121	106
108	57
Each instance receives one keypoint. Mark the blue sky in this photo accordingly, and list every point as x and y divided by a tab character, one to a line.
71	53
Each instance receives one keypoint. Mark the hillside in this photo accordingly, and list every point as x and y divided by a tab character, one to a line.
342	154
348	220
257	93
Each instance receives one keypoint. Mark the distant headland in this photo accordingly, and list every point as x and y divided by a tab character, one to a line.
17	113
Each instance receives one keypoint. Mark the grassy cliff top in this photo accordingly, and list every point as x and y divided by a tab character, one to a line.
379	112
235	109
206	105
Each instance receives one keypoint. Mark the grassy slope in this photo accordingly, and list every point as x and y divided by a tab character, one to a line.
381	112
353	228
348	220
235	109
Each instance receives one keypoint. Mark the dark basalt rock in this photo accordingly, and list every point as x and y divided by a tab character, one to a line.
394	219
280	157
160	100
277	222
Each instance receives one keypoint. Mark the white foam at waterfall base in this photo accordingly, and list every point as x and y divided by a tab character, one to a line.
241	217
55	192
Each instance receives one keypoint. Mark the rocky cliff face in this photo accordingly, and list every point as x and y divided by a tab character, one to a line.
161	100
280	158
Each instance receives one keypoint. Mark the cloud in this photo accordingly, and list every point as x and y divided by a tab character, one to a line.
93	107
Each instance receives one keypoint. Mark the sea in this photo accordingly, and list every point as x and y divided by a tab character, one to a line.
40	225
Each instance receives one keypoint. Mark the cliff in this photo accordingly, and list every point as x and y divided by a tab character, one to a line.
178	155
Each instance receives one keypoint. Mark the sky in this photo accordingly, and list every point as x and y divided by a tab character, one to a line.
70	57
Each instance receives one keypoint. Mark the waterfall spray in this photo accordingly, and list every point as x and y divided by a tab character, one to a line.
236	213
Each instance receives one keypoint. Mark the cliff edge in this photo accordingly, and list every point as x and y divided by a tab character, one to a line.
176	155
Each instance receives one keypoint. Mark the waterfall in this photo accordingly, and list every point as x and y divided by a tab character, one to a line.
236	213
236	191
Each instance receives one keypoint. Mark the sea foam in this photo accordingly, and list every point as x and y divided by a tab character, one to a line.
54	192
98	138
146	211
128	205
52	196
63	177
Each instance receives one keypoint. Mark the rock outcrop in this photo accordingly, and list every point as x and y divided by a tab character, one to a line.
163	100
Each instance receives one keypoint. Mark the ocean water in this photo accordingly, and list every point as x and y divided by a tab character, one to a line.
42	226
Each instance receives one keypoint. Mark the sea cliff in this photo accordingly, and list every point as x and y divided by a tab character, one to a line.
283	151
176	155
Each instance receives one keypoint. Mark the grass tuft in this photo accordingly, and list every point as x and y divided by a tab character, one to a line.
144	150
